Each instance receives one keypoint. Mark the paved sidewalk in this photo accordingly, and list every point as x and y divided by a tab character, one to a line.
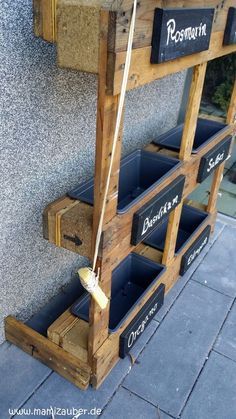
185	361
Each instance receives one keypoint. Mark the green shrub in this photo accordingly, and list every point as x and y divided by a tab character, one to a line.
220	77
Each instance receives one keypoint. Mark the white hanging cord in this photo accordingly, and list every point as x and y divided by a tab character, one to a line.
88	277
117	129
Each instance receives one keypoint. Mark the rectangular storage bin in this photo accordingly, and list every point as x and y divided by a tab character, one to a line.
140	172
191	220
131	280
205	133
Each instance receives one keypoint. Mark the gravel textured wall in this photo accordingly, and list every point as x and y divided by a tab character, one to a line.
47	147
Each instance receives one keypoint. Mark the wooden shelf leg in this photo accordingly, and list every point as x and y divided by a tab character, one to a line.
171	235
107	107
192	112
218	174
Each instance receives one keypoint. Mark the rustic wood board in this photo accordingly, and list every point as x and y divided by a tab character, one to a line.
70	333
41	348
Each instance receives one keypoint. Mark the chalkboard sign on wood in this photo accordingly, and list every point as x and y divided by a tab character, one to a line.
214	158
180	32
150	215
194	251
136	328
230	30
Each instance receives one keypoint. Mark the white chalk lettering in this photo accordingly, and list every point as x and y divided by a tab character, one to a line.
214	162
134	335
165	209
186	34
197	251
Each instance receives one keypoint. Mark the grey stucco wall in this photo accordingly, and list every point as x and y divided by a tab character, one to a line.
47	147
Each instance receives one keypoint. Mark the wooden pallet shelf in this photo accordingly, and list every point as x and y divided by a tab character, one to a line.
85	352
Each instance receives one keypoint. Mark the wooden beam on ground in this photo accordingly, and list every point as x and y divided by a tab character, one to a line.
41	348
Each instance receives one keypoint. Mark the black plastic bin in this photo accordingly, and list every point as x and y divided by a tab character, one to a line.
140	172
191	220
131	280
205	133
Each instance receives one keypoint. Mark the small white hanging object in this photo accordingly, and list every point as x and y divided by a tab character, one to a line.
89	280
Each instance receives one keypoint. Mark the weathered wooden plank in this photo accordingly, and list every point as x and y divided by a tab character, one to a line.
171	234
192	111
108	354
107	108
47	352
70	333
45	19
142	72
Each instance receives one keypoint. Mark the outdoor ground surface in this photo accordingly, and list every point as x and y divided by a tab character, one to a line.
185	361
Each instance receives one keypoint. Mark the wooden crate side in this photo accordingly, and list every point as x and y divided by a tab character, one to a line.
70	333
47	352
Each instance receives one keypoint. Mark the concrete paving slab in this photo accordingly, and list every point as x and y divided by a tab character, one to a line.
129	406
226	341
218	269
214	396
182	281
169	366
59	393
20	376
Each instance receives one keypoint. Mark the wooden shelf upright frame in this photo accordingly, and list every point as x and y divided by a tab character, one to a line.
83	352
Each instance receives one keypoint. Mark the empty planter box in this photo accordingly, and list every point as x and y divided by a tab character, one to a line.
131	280
205	133
140	172
191	220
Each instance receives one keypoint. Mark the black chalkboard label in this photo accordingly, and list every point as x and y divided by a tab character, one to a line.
136	328
150	215
213	158
180	32
230	30
194	251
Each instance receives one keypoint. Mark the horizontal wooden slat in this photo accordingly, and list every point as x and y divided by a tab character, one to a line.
71	334
47	352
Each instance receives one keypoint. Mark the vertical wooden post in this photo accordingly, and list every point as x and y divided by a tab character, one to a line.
190	125
106	119
217	177
171	235
192	112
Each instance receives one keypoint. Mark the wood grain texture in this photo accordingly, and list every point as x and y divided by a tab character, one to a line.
70	333
47	352
192	111
67	222
142	72
45	19
107	355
